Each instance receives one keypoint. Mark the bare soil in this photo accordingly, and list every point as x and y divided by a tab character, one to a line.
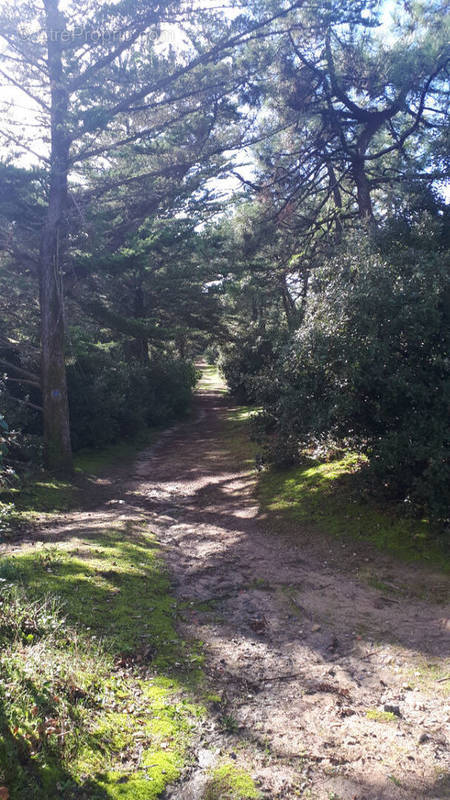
299	648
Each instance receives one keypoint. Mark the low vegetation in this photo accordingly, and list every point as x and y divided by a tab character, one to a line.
95	681
331	495
365	371
228	782
381	716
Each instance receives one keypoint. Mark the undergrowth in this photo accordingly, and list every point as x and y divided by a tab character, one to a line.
95	683
228	782
327	495
38	496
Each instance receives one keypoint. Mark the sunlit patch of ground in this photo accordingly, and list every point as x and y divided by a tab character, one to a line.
327	493
93	675
322	676
210	379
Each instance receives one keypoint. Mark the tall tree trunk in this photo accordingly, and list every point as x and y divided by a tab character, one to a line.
362	189
57	446
336	193
288	302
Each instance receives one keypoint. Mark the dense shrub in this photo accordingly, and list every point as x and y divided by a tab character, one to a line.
211	354
110	399
369	366
246	358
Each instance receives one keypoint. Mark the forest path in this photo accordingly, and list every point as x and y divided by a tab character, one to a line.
302	653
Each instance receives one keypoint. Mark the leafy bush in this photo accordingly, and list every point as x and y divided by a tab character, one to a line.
8	445
370	366
111	399
248	357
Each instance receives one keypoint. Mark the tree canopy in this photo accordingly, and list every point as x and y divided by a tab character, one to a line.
263	178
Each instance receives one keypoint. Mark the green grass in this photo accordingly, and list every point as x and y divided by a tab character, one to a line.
228	782
325	494
40	497
96	686
235	436
39	494
381	716
243	413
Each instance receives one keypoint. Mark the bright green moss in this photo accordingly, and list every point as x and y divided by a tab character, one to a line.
380	716
323	493
228	782
116	734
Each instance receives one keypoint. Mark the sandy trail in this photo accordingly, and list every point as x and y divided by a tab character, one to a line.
297	646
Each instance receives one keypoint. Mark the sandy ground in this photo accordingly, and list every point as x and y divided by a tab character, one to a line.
297	646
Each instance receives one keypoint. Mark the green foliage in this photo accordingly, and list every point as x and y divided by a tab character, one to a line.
369	367
92	704
246	358
211	354
111	399
228	782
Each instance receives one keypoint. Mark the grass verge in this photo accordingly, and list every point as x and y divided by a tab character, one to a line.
39	496
95	683
324	493
96	686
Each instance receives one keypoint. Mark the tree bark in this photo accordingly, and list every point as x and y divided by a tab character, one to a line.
57	446
337	198
362	189
288	302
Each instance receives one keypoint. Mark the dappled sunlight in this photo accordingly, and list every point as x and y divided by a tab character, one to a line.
304	640
329	494
210	379
124	654
303	649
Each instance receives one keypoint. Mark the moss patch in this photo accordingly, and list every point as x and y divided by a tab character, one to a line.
228	782
95	684
39	497
381	716
95	462
235	436
323	493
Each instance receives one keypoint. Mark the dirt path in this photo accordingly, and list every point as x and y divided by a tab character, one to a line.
301	653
